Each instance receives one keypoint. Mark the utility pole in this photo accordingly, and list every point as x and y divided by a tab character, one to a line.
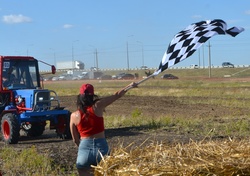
142	51
96	58
199	58
203	56
128	51
209	59
73	59
127	57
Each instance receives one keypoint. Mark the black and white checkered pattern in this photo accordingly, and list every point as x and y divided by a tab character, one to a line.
187	41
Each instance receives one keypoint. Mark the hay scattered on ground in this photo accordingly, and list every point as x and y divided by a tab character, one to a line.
228	157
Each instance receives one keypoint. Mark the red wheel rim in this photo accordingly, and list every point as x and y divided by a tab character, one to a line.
6	129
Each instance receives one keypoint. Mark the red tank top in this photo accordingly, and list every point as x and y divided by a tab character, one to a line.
90	124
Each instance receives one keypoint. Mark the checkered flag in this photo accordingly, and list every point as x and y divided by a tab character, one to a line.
187	41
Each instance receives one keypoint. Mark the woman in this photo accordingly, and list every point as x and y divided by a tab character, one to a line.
87	126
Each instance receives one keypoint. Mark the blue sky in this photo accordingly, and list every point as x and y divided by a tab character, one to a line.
63	30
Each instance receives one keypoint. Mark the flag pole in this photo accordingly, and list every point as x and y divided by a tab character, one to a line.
141	81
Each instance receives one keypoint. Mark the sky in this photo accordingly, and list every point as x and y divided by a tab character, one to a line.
117	34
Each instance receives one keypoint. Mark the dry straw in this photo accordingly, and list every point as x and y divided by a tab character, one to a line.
227	157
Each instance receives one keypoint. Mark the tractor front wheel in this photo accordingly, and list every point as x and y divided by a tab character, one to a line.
10	129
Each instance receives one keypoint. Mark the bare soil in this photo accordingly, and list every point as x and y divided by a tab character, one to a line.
64	151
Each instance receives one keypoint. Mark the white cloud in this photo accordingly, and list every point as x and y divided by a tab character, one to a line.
66	26
247	12
12	19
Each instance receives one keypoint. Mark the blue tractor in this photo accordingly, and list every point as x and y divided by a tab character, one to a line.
25	105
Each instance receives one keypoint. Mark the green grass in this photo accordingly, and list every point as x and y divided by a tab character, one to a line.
157	87
224	126
27	162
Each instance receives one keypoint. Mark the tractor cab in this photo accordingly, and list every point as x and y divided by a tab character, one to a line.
19	73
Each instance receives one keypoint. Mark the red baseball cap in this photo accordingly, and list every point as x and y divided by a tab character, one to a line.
87	88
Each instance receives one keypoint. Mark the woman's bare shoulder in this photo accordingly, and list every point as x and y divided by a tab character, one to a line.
75	115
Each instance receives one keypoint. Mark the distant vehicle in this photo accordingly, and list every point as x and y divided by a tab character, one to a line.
126	76
75	78
83	76
55	78
144	67
169	76
79	77
194	66
65	77
62	77
93	69
105	77
47	79
118	75
227	65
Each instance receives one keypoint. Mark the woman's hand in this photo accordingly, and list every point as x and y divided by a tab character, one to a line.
133	85
130	86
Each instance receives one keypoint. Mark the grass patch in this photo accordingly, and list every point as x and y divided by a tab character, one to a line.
27	162
222	127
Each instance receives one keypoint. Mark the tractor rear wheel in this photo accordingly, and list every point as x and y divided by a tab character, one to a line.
62	127
10	129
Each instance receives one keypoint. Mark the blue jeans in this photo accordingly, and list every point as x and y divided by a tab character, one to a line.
89	152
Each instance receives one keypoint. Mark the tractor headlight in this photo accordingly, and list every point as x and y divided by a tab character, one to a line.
52	98
40	98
